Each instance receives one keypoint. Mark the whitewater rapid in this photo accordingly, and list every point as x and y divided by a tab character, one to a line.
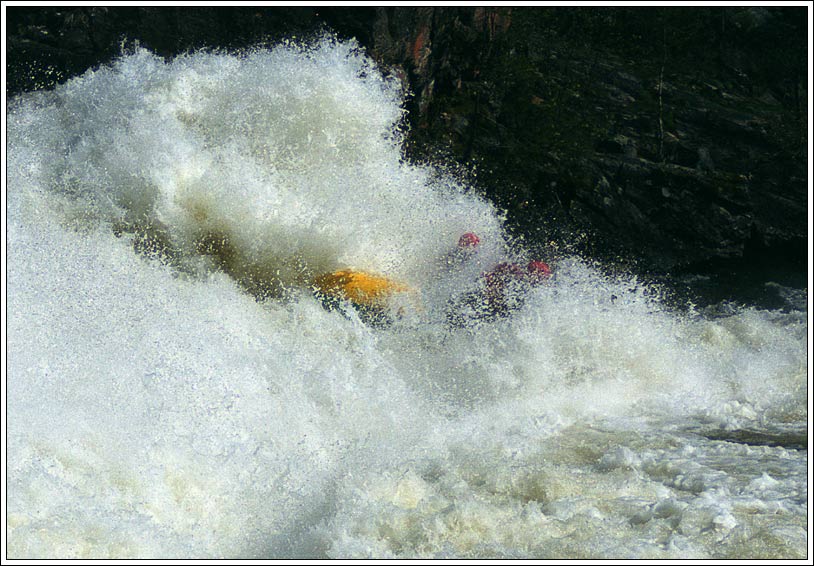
175	390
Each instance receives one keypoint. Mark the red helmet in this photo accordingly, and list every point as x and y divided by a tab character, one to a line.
538	270
468	240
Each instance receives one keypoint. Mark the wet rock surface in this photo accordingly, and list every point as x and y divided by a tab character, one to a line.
670	140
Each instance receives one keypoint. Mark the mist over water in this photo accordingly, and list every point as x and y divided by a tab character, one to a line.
176	390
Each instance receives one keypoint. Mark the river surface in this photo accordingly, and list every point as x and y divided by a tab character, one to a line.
175	389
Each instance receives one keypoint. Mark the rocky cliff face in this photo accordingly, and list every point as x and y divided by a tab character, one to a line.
646	144
672	136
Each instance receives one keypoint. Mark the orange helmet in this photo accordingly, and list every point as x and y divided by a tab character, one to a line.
538	270
468	240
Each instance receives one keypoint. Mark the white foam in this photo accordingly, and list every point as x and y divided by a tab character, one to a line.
157	409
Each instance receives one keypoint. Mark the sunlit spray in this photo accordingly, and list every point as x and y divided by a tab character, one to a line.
176	389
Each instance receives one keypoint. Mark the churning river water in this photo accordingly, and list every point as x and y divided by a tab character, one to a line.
176	390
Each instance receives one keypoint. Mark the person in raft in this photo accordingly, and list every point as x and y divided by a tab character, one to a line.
376	297
502	289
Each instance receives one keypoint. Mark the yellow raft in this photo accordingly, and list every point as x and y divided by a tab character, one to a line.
359	287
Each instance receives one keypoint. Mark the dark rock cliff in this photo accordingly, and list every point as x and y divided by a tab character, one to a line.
670	137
